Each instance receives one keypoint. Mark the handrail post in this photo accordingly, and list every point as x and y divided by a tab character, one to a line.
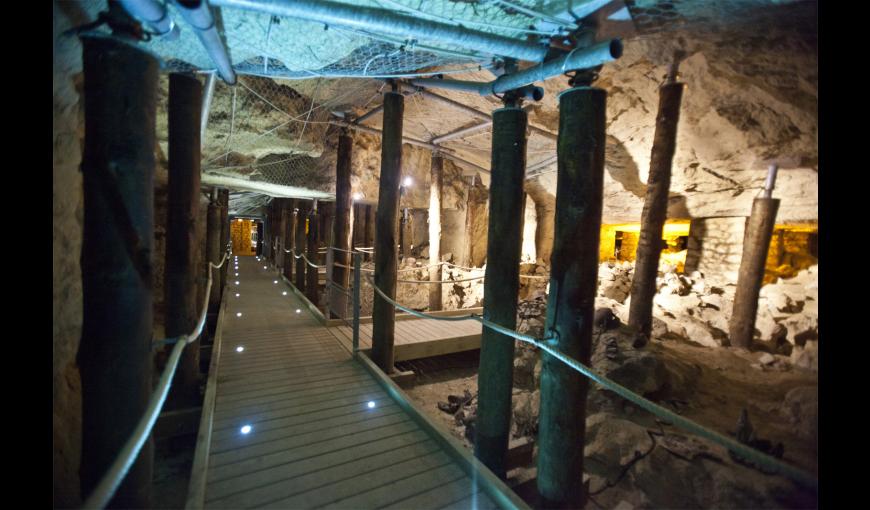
357	271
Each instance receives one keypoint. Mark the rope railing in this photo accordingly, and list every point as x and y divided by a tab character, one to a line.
110	482
747	452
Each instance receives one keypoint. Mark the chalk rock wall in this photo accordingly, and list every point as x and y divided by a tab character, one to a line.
67	220
750	99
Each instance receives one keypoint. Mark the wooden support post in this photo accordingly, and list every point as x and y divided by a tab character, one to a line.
311	274
369	229
467	256
280	230
115	354
501	286
185	102
290	236
404	233
436	183
573	282
260	234
386	263
224	195
213	247
756	242
301	241
655	210
341	228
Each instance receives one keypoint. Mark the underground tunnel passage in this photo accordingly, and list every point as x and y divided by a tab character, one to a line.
444	254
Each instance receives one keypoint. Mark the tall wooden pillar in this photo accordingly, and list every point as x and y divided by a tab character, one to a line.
213	247
224	195
573	281
280	230
369	228
386	262
436	182
468	239
756	241
290	236
185	100
311	273
115	356
341	232
655	209
301	241
501	285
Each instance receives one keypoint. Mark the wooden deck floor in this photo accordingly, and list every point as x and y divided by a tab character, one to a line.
420	338
324	433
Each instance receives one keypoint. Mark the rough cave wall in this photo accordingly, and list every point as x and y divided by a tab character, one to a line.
530	228
68	217
750	98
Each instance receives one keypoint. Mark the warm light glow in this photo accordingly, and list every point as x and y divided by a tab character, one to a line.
264	267
246	429
357	196
407	182
240	349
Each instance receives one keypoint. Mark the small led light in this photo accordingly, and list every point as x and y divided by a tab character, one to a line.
237	274
240	349
237	294
264	267
407	182
246	429
276	281
237	282
298	311
284	293
371	404
238	314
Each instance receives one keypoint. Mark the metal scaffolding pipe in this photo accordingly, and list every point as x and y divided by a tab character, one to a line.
392	23
578	58
154	14
198	15
462	132
273	190
207	96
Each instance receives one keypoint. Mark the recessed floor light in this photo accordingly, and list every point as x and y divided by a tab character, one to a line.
237	294
240	349
238	314
298	311
246	429
284	293
371	404
237	282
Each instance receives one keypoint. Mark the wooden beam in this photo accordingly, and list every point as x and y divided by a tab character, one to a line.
756	242
311	283
501	286
182	308
386	262
115	352
655	211
436	183
301	241
342	226
573	282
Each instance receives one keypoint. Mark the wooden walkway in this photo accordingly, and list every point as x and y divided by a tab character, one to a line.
324	432
420	338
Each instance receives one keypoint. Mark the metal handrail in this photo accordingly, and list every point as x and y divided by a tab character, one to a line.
110	482
548	346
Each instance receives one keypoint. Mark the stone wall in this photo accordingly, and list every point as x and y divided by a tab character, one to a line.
716	247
